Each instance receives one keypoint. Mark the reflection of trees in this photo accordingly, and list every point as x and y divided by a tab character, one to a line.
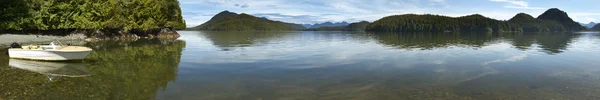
554	43
521	41
551	43
227	39
434	40
134	71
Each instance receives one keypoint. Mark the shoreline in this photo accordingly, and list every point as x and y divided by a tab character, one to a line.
77	38
7	39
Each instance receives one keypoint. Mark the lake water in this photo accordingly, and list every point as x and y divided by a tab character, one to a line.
320	66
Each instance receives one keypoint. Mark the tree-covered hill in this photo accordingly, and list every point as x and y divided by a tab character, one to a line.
357	26
121	16
437	23
553	20
530	24
555	14
229	21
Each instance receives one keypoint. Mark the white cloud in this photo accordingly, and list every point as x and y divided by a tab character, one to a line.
584	17
518	4
521	7
438	1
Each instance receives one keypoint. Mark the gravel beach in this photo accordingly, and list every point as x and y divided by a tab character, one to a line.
7	39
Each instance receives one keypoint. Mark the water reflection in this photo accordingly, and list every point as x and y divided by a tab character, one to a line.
328	66
551	43
120	70
226	40
384	66
62	69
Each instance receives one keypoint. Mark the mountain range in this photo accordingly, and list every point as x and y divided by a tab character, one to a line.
552	20
357	26
325	24
589	25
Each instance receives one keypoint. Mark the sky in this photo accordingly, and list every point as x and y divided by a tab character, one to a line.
196	12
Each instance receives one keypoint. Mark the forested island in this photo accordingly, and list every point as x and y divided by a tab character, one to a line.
553	20
94	18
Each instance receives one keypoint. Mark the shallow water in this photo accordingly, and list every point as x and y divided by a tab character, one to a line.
205	65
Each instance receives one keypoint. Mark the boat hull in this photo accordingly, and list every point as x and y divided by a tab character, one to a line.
48	55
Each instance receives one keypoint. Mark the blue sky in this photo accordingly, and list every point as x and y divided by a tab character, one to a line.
196	12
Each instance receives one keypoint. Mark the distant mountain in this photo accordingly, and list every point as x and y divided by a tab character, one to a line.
307	25
358	26
560	16
328	24
529	24
589	25
229	21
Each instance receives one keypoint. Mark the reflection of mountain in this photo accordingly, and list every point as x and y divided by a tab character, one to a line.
551	43
554	43
121	70
433	40
65	69
226	40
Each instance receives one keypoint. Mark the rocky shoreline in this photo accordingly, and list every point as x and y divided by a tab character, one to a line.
26	37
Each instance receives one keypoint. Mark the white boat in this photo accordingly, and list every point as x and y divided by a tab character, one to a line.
55	51
63	69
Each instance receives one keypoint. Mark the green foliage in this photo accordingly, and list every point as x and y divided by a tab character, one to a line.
243	22
90	14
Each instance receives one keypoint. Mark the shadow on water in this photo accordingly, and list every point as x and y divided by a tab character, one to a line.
119	70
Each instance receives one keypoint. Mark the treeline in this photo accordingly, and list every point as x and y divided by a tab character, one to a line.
553	20
120	15
437	23
243	22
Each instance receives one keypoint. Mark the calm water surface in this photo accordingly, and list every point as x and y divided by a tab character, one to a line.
320	66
